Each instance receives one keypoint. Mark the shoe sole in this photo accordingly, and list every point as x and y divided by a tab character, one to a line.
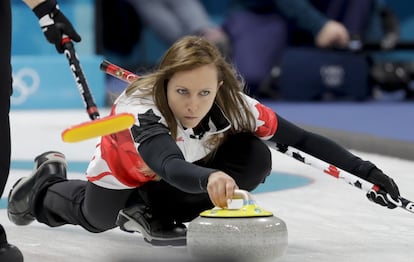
54	157
128	224
15	187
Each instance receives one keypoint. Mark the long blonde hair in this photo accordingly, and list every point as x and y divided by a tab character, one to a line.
188	53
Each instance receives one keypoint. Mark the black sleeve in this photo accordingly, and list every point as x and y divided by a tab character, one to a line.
163	156
320	147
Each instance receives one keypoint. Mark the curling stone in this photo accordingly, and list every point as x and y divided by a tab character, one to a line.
248	233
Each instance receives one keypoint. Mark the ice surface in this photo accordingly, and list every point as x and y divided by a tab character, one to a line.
327	219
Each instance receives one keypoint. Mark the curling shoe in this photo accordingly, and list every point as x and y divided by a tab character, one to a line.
8	252
49	168
158	232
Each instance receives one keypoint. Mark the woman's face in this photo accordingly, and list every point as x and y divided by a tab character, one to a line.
191	94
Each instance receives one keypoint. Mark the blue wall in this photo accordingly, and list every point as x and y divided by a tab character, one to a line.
41	77
28	38
46	81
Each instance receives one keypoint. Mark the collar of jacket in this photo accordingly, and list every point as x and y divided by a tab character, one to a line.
214	122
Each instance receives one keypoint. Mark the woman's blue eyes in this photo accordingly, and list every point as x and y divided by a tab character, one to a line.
182	91
185	91
205	93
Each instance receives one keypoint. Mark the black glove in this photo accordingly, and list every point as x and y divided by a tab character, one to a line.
54	24
386	185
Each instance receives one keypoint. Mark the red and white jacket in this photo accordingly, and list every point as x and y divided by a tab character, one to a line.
117	164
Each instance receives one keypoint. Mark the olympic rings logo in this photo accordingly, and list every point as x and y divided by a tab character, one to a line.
25	82
332	75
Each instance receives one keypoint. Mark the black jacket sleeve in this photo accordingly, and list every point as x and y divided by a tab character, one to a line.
320	147
163	156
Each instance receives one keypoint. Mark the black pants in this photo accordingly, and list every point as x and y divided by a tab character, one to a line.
243	156
5	91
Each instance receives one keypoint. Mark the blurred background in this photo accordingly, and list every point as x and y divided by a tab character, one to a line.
338	67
